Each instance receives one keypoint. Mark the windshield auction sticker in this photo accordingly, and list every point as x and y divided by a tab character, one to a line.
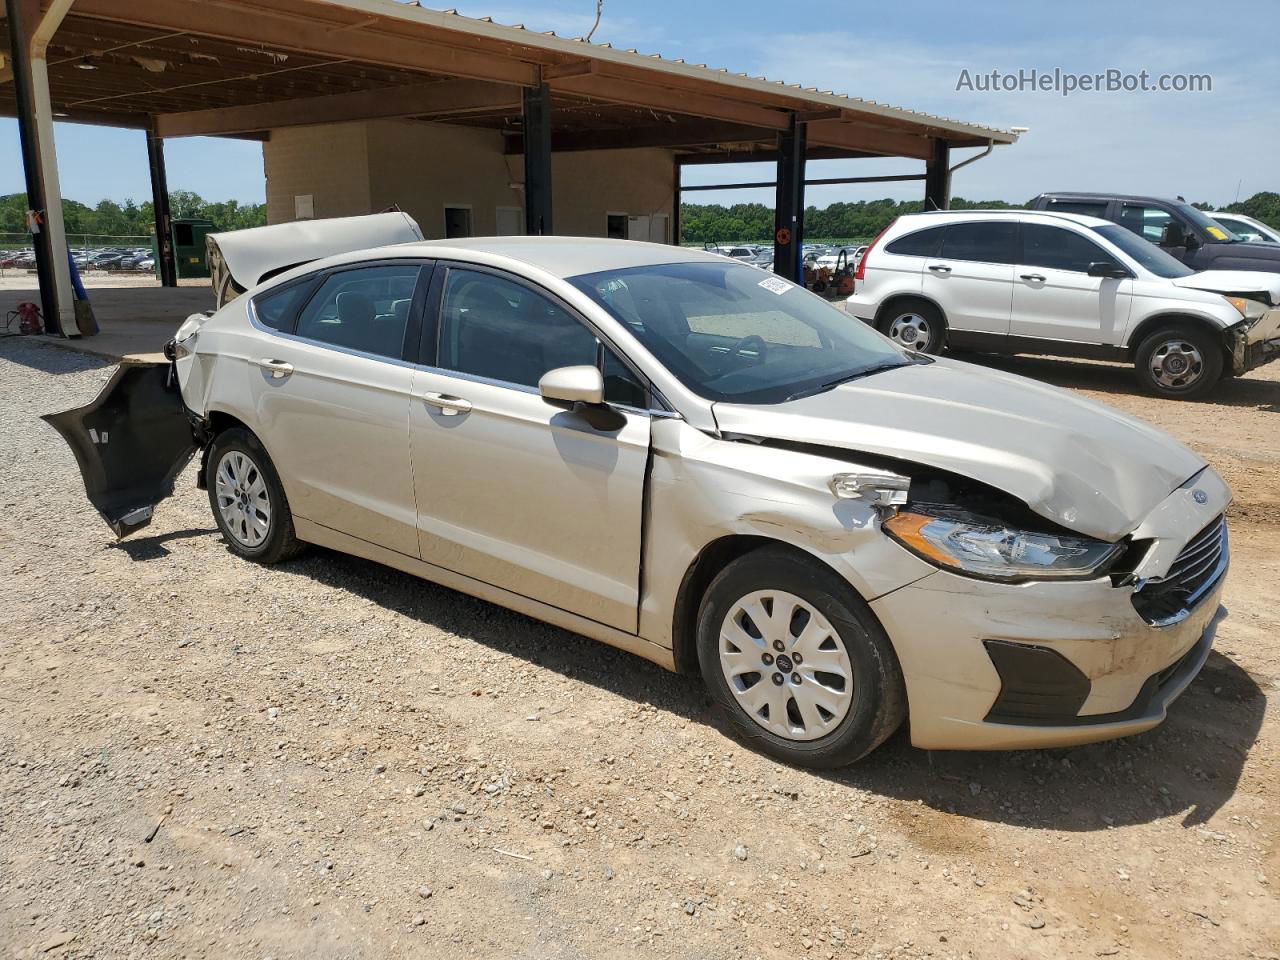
775	285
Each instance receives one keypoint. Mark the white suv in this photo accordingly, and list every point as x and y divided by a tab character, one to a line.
1065	285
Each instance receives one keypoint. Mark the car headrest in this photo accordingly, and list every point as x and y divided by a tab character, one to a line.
355	308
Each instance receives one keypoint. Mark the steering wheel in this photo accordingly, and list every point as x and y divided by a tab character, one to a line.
751	339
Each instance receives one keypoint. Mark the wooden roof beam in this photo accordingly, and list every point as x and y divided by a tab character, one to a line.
634	93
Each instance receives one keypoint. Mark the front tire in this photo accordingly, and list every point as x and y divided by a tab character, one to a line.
248	500
915	324
1179	362
797	661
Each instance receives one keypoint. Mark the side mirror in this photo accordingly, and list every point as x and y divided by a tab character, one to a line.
565	386
1107	270
1173	235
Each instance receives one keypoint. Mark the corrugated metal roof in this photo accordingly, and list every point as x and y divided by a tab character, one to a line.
485	27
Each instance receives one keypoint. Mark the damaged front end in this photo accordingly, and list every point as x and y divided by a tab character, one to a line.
131	442
1255	340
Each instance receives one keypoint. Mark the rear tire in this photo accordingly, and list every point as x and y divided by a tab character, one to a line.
1180	362
914	324
820	686
248	500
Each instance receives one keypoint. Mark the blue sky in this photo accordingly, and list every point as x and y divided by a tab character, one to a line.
1203	146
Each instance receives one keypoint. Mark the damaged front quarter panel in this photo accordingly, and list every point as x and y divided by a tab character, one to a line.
703	489
130	442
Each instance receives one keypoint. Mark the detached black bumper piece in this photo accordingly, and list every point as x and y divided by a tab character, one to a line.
1040	687
130	443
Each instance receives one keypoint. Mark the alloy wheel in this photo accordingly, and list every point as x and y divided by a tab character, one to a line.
1176	364
242	497
910	330
785	665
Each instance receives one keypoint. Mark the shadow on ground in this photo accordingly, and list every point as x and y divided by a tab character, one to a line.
1119	379
38	353
153	548
1189	766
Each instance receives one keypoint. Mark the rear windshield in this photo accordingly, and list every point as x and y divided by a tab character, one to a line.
1148	255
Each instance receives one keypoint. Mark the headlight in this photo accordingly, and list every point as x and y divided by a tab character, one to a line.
1249	309
983	547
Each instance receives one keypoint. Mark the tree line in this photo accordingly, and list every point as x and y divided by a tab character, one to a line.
753	222
132	219
699	223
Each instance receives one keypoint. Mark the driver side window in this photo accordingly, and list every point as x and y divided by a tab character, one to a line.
501	330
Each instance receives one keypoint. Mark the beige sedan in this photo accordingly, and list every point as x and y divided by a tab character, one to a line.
702	464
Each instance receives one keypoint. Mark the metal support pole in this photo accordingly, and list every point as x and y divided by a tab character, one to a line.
675	203
937	178
166	263
19	39
537	160
788	223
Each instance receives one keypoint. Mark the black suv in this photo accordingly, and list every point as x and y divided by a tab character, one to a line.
1189	234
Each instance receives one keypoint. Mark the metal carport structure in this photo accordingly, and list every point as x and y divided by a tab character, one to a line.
236	68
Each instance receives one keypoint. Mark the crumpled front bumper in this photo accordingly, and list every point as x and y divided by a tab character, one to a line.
992	666
1251	346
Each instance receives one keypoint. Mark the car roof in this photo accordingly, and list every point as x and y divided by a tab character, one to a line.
1086	195
561	257
1077	218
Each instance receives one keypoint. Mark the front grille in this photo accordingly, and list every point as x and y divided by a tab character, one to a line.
1194	573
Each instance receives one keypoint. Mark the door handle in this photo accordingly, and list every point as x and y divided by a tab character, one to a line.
1033	277
279	368
939	268
450	406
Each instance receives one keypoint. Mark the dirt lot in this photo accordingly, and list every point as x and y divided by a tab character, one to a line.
203	758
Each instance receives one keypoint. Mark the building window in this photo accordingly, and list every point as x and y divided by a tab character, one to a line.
616	226
457	222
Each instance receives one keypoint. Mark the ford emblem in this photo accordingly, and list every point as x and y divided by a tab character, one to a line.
1199	496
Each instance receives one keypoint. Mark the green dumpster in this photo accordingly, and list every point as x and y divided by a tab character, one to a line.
188	235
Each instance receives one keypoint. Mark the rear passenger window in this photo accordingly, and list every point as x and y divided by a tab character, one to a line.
985	241
1059	249
365	309
278	309
1087	208
922	243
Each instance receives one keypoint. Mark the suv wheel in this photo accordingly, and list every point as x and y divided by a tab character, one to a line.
797	661
1179	362
248	500
914	324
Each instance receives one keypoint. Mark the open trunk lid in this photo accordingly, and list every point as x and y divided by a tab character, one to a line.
241	259
130	442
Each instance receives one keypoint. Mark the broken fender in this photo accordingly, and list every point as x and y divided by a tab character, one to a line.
130	442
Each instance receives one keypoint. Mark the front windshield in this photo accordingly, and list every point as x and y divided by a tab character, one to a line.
1216	231
729	334
1148	255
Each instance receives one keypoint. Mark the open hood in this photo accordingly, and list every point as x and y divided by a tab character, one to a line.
1236	283
240	259
1078	463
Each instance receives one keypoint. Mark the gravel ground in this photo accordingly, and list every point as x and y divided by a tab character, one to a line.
328	759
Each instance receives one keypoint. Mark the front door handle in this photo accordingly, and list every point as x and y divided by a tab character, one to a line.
1033	277
939	268
279	368
450	406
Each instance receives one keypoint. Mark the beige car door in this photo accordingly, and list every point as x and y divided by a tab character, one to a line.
511	490
331	390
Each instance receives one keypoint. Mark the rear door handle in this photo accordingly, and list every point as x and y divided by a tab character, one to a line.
1033	277
939	268
279	368
451	406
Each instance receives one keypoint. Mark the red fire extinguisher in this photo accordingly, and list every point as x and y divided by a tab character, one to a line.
28	315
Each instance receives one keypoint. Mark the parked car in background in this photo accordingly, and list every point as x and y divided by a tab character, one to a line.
701	464
1247	228
1186	233
1066	285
